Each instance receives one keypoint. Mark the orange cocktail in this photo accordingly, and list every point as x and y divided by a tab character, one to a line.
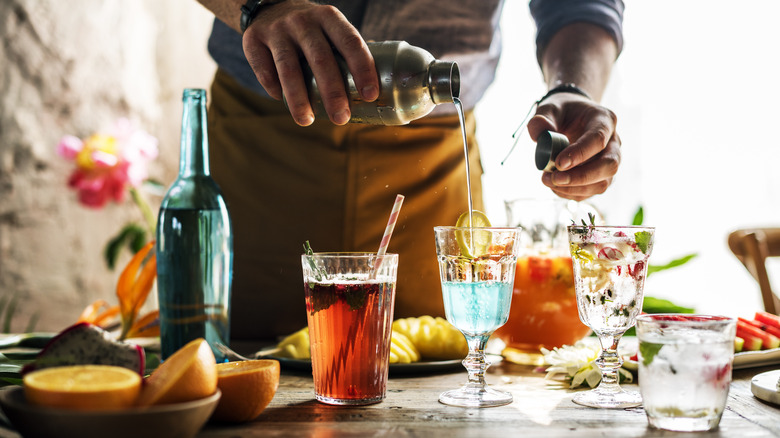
544	305
350	340
349	307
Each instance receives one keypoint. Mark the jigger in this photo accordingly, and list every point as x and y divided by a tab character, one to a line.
548	145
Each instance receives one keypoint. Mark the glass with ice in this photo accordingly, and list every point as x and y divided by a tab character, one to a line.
685	369
610	265
349	307
477	267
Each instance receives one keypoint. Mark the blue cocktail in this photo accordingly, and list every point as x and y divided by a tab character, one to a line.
477	267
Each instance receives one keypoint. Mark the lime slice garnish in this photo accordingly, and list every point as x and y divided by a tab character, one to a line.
473	243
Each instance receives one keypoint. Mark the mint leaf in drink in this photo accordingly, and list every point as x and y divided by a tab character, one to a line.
643	240
355	296
648	350
321	297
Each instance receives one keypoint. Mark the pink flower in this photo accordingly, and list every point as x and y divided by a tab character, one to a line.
107	164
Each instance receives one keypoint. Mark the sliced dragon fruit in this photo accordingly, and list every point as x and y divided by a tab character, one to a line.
88	344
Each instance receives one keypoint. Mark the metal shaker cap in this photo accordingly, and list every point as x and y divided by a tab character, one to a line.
444	80
548	145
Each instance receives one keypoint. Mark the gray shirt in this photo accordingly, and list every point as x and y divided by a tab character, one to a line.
465	31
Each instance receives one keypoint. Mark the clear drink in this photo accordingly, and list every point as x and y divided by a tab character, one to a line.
611	290
349	306
685	369
610	265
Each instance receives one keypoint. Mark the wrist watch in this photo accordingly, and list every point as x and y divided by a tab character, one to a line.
250	10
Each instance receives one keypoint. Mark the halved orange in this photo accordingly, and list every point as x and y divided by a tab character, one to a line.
188	374
83	387
247	388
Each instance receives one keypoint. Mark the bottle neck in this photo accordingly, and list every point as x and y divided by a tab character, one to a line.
194	158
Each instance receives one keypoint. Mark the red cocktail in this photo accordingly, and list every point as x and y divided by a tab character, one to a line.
349	306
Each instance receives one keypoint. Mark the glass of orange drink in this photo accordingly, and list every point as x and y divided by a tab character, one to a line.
349	307
544	304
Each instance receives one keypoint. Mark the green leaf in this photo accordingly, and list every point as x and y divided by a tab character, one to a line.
26	340
133	235
643	239
639	217
355	297
648	350
321	298
9	314
658	305
651	269
32	322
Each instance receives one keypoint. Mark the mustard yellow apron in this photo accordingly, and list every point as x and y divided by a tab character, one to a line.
333	186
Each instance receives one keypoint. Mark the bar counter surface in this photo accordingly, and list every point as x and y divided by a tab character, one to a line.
411	409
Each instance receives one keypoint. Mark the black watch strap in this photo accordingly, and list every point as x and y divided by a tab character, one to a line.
250	10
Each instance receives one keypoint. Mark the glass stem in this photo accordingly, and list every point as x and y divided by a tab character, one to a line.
609	362
475	362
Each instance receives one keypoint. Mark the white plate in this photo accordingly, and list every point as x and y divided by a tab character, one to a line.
750	359
742	360
764	386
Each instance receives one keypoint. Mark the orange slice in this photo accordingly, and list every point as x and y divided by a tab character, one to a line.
189	374
247	388
83	387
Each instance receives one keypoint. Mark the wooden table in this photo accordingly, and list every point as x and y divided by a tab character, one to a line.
411	409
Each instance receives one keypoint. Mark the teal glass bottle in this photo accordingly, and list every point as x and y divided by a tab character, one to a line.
194	244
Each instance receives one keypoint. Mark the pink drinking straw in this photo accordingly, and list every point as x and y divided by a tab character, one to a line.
399	199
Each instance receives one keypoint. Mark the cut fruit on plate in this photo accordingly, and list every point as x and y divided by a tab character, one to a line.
179	420
188	374
473	243
247	388
83	387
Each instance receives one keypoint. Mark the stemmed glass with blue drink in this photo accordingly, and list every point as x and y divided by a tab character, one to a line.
477	268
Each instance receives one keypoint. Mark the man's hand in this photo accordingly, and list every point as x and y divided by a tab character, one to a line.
587	166
285	33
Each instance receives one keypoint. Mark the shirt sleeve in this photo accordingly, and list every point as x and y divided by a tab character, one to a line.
551	15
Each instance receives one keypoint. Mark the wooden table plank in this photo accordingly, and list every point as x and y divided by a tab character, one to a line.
412	410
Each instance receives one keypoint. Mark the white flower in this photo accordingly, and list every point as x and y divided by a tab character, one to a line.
577	363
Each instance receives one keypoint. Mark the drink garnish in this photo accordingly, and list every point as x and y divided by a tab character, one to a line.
355	297
473	243
321	299
318	273
648	350
643	239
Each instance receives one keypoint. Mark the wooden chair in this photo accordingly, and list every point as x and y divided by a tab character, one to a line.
752	246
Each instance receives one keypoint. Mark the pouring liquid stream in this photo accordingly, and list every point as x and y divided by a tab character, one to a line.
462	119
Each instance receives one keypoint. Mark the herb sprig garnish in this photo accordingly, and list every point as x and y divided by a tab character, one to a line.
585	228
318	274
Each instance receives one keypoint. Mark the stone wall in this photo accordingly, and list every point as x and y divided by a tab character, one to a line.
74	67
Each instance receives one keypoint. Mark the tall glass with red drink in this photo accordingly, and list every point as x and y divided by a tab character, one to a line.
349	306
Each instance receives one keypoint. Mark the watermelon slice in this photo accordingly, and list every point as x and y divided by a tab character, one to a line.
746	329
749	343
768	319
772	330
739	344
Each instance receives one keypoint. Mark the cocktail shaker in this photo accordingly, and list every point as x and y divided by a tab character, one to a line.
411	83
